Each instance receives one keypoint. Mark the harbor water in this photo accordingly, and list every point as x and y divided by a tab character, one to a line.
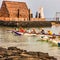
29	43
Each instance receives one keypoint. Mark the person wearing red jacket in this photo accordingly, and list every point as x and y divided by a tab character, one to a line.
21	30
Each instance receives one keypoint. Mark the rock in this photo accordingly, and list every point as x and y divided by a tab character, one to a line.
13	58
12	48
51	57
1	56
3	52
2	49
13	53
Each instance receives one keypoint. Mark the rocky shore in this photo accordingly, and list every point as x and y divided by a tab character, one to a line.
14	53
26	23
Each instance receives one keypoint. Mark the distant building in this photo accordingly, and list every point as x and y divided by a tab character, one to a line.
41	14
18	11
14	9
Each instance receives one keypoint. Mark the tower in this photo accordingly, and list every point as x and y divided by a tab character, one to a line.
41	14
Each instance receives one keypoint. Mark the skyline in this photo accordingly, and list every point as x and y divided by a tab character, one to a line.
50	7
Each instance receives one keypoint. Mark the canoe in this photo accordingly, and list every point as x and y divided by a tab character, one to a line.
18	33
56	42
44	37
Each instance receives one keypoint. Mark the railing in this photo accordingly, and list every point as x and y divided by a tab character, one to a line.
50	19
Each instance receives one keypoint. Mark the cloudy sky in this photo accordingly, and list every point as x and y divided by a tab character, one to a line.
50	6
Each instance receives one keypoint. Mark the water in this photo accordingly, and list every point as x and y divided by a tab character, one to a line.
29	43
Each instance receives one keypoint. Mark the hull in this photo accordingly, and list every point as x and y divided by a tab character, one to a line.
18	33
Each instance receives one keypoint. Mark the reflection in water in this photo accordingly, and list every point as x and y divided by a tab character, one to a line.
28	43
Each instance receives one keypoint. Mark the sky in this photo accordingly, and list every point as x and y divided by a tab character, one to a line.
50	6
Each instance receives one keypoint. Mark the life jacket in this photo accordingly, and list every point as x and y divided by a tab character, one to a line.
22	30
50	32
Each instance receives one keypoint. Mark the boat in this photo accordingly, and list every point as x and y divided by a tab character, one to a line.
26	33
17	32
20	33
53	41
43	37
56	42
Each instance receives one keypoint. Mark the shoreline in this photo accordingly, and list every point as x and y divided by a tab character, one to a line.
28	23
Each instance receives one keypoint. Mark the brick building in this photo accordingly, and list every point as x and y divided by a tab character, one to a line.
12	9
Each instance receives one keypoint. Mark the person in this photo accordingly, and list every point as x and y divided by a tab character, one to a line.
42	31
49	32
21	30
33	31
16	29
54	36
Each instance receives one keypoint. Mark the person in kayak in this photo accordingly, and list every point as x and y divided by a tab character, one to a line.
16	29
33	31
49	32
42	31
22	30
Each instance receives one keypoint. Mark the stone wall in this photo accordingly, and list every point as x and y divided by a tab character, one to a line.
26	23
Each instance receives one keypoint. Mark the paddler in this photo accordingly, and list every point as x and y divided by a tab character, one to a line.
33	31
42	31
53	36
16	29
49	32
22	30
